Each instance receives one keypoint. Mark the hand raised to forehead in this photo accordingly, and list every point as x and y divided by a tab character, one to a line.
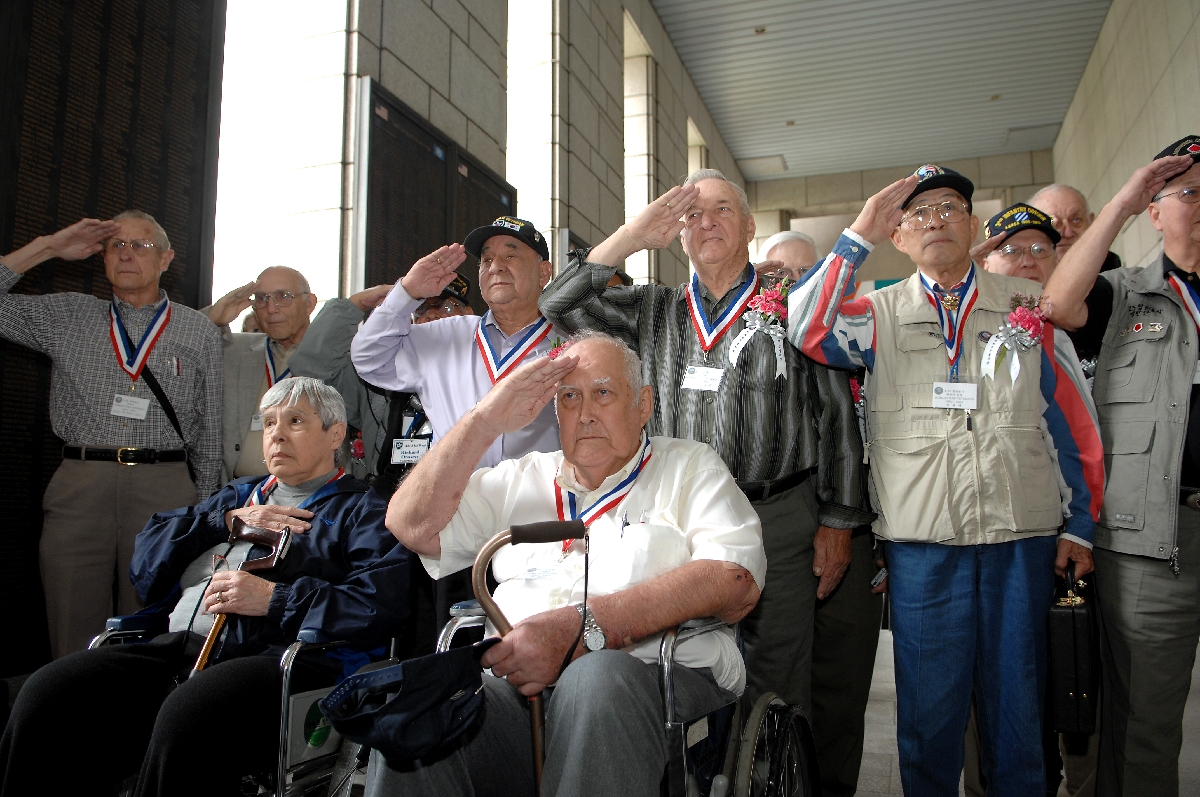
516	400
1142	186
661	221
231	305
883	212
431	274
82	239
989	245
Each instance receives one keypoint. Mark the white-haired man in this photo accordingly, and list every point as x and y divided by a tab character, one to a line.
789	254
671	538
136	381
785	427
1070	216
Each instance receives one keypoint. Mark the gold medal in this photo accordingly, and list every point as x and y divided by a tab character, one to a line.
949	301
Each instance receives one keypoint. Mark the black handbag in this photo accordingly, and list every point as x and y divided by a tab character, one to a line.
1074	657
414	708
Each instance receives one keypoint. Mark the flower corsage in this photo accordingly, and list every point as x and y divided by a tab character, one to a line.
766	314
1022	331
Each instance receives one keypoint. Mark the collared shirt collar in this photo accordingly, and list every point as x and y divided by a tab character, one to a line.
706	294
1170	268
566	474
490	321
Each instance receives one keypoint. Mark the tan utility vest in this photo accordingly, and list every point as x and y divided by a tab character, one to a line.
932	478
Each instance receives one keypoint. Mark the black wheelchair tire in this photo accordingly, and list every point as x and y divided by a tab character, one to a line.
777	756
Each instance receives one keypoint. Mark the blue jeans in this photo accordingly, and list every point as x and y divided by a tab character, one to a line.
963	618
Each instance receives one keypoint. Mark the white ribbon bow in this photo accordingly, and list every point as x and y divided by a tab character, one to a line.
756	322
1013	339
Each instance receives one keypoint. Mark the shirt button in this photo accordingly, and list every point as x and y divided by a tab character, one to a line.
1168	478
705	440
708	400
1173	405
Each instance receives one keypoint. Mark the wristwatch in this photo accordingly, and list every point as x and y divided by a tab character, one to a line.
593	635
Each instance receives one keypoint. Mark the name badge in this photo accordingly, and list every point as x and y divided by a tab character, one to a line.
130	407
699	377
955	395
408	452
256	423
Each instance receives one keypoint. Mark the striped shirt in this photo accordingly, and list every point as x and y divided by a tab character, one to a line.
73	329
842	334
763	427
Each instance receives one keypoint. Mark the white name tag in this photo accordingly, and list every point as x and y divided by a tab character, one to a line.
130	407
256	423
955	395
408	452
699	377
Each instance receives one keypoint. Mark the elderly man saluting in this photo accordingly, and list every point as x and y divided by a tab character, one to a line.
671	539
341	573
968	452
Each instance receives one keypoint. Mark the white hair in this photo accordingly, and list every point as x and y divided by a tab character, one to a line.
325	401
1059	187
787	235
715	174
631	361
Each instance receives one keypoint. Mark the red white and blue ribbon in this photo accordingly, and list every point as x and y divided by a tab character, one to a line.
569	506
500	367
272	377
1189	297
708	333
260	494
133	358
954	322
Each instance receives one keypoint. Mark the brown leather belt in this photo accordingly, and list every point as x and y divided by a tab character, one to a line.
125	455
761	491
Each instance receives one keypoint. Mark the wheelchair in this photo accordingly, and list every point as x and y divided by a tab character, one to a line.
768	753
311	761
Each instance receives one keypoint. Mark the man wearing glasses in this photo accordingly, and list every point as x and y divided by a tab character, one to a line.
137	383
1023	240
966	466
254	362
1143	322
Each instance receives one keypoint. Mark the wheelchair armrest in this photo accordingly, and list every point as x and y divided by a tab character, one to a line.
314	636
150	624
469	608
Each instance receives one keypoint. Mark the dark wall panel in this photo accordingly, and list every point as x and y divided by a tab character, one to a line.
104	105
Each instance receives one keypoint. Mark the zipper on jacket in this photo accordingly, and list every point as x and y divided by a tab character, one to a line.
969	427
1174	562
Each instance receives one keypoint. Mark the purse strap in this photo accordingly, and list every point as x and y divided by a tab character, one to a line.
165	403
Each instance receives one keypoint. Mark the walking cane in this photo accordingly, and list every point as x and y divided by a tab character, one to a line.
549	531
278	542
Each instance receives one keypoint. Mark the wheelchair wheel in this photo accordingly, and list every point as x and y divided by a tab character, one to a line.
777	756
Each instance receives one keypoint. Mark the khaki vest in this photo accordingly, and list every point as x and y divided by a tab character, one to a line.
932	479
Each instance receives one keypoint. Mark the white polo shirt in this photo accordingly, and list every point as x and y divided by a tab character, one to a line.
683	507
440	362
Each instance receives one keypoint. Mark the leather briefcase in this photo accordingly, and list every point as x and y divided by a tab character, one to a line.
1074	657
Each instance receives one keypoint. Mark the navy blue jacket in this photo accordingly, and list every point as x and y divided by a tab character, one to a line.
346	575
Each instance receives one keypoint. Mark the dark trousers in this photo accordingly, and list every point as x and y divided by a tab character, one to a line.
84	723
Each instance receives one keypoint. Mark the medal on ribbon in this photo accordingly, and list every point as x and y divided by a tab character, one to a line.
709	334
570	508
499	367
132	359
953	307
273	377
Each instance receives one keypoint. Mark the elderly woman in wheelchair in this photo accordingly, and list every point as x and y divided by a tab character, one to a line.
264	558
670	538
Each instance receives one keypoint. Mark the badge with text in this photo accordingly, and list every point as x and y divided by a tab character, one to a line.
955	395
408	452
130	407
700	377
256	423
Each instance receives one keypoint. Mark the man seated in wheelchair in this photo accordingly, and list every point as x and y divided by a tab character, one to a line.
671	539
87	721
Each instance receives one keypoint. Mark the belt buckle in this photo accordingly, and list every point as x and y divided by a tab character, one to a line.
123	449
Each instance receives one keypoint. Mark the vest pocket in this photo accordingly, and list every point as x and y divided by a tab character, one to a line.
911	476
1033	484
1127	463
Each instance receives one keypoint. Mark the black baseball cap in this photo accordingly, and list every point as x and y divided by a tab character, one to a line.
457	289
930	177
520	229
1188	145
1019	217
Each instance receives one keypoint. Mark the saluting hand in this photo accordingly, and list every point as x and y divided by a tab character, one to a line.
518	398
883	212
1142	186
988	246
371	298
231	305
431	274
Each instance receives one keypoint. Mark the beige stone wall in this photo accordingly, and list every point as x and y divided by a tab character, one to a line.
447	60
1139	92
818	204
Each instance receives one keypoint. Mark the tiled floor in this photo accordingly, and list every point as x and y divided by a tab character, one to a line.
880	776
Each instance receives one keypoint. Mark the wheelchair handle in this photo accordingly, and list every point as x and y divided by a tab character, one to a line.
548	531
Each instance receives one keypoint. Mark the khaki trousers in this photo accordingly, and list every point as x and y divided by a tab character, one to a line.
92	513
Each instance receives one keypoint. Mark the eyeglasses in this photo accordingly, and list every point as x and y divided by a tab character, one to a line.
1036	251
137	245
281	298
921	217
445	305
1189	195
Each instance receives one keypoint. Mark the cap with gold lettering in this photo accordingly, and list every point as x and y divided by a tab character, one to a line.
520	229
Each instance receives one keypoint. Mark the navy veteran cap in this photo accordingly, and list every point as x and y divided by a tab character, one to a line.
520	229
1019	217
1188	145
457	289
930	177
